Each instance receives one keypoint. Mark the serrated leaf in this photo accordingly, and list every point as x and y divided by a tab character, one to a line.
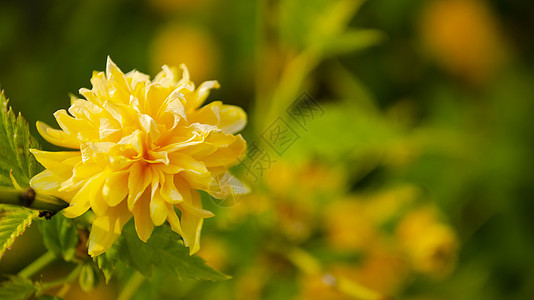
164	252
60	236
13	223
17	288
15	142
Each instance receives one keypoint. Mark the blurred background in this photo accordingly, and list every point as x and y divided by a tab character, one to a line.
389	141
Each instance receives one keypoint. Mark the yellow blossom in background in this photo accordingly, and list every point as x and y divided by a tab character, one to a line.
142	149
175	44
463	36
382	270
319	286
215	252
396	236
354	223
430	245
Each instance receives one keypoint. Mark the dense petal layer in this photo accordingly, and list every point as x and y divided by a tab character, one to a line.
143	149
107	228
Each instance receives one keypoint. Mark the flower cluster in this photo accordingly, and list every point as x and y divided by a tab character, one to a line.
143	149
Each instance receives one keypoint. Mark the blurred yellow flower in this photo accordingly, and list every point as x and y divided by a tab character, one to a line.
175	44
463	36
355	223
143	148
430	245
382	270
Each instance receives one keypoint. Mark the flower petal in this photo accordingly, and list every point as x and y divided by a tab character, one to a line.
226	156
158	206
233	119
107	228
81	202
173	220
229	118
80	174
61	163
225	185
169	192
141	212
47	183
195	172
117	84
116	187
57	137
158	209
192	221
202	92
138	181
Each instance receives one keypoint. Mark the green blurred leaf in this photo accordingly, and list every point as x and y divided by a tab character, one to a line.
60	236
352	40
165	252
312	24
88	279
15	142
343	132
48	297
107	262
12	224
17	289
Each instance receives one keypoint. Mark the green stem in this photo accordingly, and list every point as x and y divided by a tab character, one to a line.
30	199
37	265
71	277
131	286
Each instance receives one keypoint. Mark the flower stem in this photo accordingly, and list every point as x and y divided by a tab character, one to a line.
37	265
30	199
131	286
71	277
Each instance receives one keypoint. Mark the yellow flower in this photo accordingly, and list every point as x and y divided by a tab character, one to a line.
144	148
464	38
430	245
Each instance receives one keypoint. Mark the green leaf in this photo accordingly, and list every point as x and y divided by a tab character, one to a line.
17	288
13	223
164	251
327	136
107	262
15	143
60	236
89	279
353	40
312	23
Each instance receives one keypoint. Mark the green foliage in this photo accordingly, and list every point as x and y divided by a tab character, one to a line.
346	130
107	262
352	40
48	297
15	142
88	279
164	252
60	236
13	223
17	288
312	23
